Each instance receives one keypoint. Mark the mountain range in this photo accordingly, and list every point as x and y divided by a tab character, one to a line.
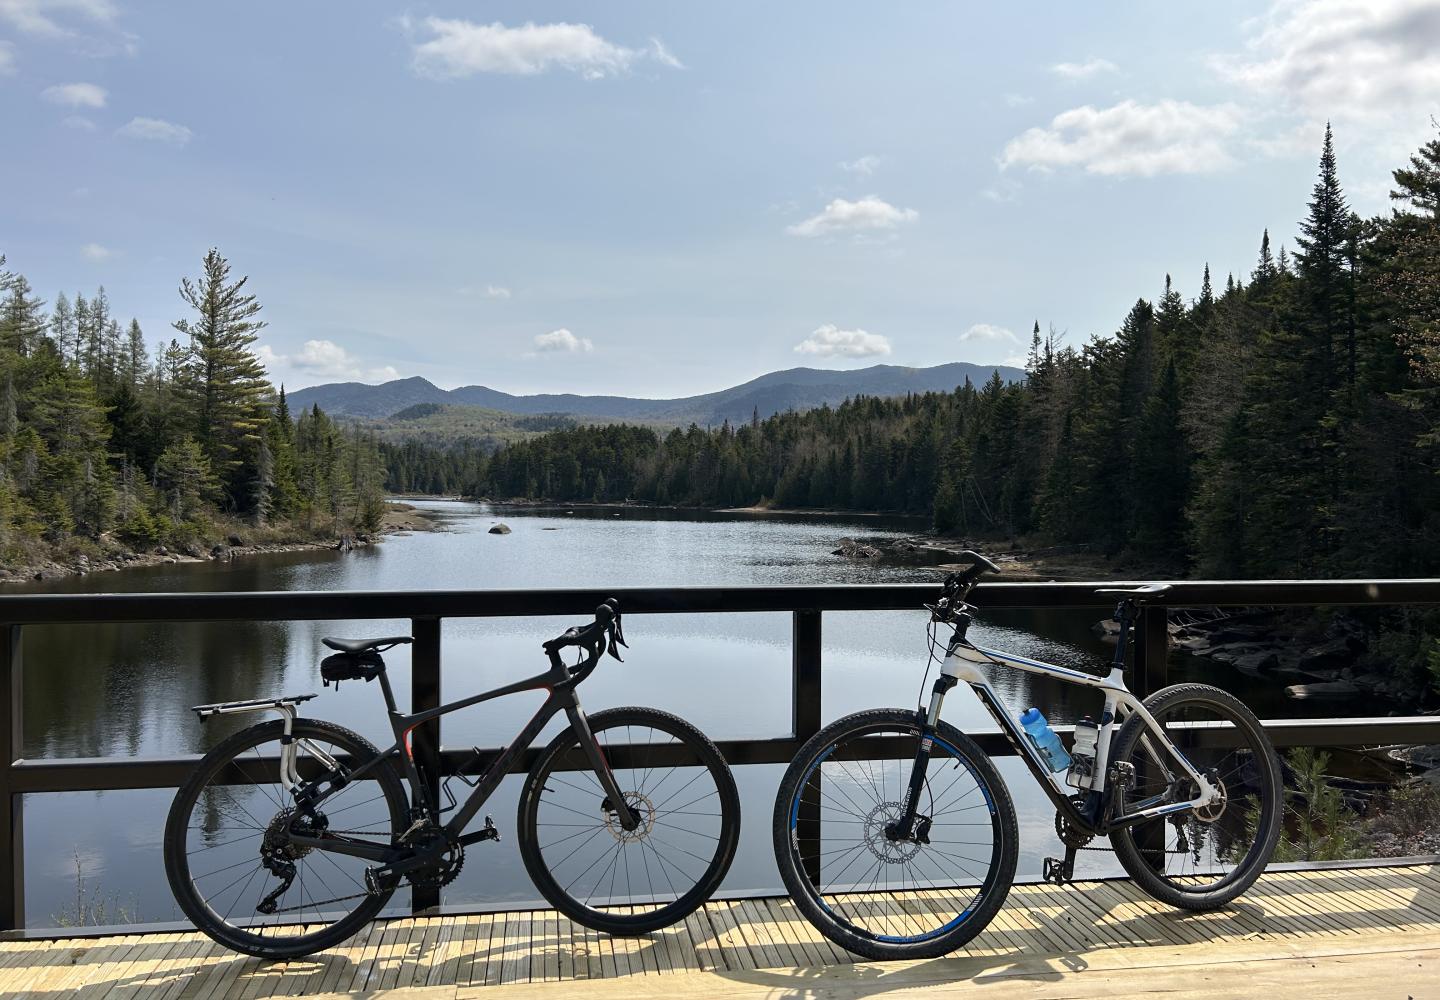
795	388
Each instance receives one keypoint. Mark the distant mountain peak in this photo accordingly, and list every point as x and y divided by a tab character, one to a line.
774	392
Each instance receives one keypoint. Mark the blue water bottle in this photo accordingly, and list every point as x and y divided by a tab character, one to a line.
1045	740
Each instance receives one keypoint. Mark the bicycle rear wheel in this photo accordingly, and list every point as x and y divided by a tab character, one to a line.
223	829
1199	860
622	881
883	898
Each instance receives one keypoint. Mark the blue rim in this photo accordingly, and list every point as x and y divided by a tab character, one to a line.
889	938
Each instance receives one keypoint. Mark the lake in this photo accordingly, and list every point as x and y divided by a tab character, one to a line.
121	690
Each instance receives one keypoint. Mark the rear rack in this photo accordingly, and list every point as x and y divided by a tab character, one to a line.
285	705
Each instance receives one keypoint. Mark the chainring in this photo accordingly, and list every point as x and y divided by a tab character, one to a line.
1069	834
445	870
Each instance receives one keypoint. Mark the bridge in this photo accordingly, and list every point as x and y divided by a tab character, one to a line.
1323	928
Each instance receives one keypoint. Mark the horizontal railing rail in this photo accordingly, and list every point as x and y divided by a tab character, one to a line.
806	604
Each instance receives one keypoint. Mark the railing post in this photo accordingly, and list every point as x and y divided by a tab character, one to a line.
1152	651
1152	657
425	739
806	722
12	818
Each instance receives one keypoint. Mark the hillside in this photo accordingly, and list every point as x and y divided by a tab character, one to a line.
442	423
796	388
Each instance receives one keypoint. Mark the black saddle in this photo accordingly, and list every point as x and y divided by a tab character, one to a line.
364	645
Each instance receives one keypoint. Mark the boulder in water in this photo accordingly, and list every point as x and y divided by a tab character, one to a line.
499	529
852	549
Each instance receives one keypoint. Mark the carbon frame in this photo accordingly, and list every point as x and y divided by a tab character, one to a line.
560	681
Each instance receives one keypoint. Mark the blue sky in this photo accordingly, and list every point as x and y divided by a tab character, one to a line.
660	198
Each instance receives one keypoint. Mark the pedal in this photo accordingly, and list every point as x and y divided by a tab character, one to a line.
1057	871
488	832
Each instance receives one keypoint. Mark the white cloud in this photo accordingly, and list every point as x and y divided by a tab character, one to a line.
78	122
990	334
1343	59
460	48
156	130
487	291
1003	190
75	95
562	341
829	341
869	214
1170	137
1018	100
864	165
39	17
323	359
95	252
1084	70
7	58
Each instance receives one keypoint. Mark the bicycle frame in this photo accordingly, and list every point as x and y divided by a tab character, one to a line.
560	681
969	663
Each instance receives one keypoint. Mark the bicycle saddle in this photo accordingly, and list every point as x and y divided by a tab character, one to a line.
361	645
1148	590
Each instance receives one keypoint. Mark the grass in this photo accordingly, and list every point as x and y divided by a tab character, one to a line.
93	907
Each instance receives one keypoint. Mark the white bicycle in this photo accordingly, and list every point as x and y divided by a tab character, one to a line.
897	838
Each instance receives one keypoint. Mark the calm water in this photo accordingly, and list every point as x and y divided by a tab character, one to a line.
122	690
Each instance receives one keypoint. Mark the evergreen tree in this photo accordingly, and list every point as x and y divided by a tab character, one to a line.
222	380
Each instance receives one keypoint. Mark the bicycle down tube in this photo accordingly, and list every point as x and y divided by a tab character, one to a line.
966	662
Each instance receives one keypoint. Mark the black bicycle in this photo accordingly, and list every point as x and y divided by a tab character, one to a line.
293	834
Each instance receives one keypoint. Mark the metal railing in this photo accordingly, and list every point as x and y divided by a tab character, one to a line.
428	609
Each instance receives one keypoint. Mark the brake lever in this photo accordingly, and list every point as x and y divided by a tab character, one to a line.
616	637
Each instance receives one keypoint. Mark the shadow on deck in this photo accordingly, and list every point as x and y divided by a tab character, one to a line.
1366	931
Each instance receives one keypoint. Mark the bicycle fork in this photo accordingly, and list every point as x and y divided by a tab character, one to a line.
911	825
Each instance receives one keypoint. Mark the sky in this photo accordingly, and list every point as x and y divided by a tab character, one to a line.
659	199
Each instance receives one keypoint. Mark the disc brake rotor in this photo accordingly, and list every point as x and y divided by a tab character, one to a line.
643	809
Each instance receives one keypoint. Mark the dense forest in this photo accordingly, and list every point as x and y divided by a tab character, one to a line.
103	446
1285	423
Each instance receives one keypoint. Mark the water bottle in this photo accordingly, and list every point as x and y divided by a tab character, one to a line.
1082	753
1045	740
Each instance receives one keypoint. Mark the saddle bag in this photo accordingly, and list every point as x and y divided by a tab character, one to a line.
339	667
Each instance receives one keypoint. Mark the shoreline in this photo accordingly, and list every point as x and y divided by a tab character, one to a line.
400	519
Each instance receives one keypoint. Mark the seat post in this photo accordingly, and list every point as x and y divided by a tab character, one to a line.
1125	618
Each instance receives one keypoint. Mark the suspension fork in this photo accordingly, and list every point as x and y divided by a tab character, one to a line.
905	828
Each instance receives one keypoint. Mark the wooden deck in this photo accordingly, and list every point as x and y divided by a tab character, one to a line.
1355	932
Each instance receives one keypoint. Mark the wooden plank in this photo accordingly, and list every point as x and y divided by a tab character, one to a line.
708	954
515	949
1122	974
484	967
759	937
728	936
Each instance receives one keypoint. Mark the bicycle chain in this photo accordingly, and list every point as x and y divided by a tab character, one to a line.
335	899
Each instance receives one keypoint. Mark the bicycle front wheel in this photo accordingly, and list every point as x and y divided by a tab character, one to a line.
622	881
227	850
884	898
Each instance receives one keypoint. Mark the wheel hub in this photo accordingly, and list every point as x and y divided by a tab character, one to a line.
1212	812
644	811
895	852
277	844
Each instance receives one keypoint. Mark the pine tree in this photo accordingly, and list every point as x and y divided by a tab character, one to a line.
1265	270
62	327
222	381
23	322
1323	265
